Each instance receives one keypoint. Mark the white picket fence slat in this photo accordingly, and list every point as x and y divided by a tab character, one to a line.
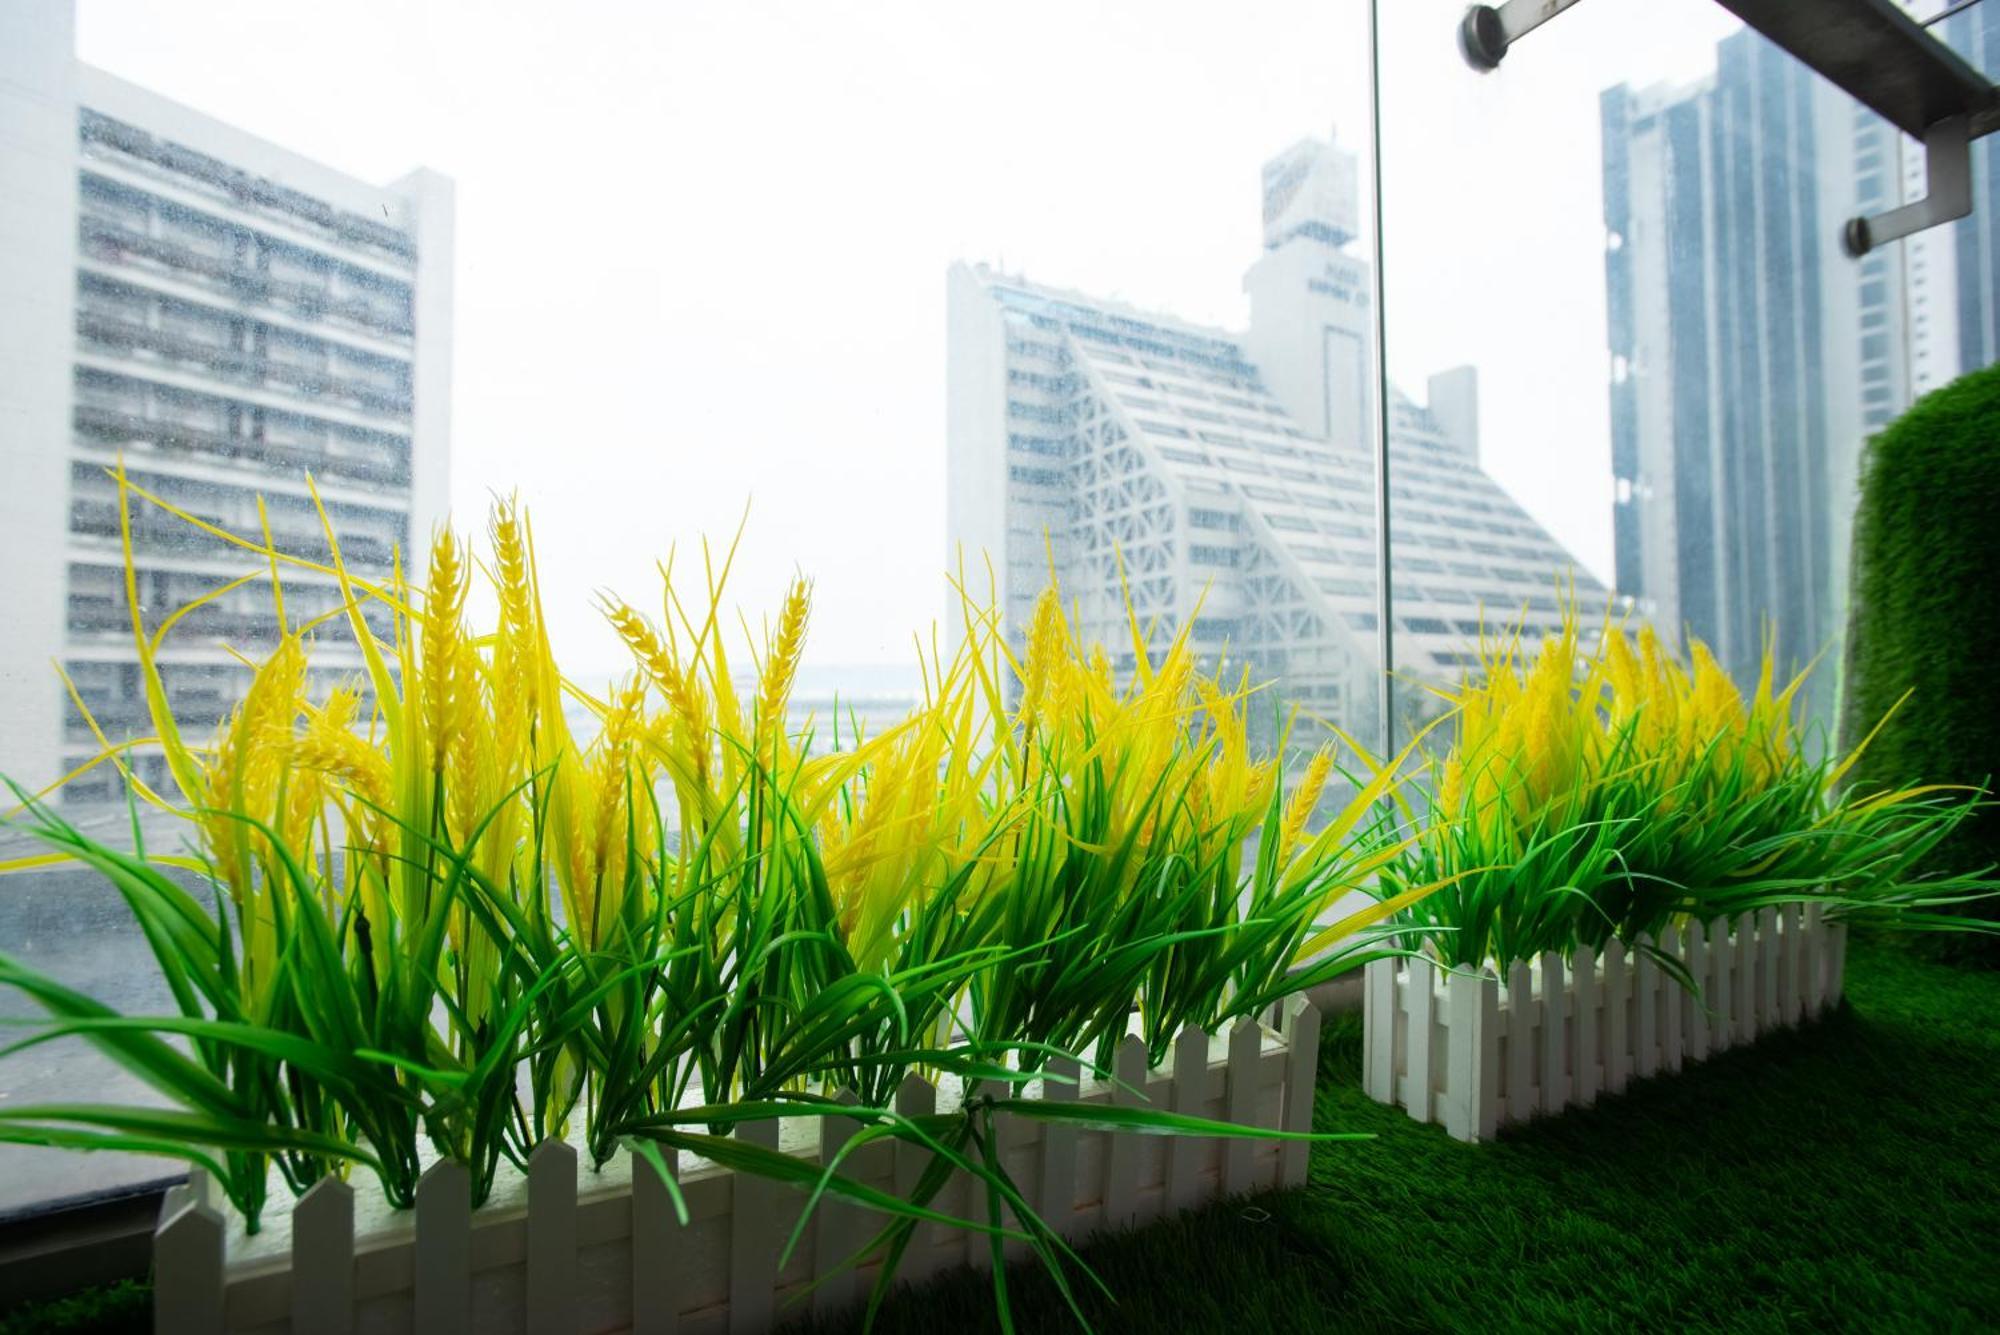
1185	1154
1475	1053
917	1097
1699	1038
188	1260
1720	991
1420	996
1521	1020
1472	1054
1246	1039
1301	1033
1059	1145
442	1273
552	1239
1618	1039
563	1247
753	1241
841	1231
323	1259
656	1291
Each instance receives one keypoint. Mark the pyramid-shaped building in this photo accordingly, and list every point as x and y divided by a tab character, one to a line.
1232	472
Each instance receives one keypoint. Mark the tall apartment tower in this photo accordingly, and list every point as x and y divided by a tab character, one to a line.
1728	424
226	317
1973	291
1909	300
1228	474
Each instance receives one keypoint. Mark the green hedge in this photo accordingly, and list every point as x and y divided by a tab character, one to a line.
1925	610
123	1308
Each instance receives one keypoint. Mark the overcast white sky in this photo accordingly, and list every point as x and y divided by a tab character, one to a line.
701	247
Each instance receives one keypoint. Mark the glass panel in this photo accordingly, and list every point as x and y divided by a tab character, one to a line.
1118	410
657	261
1945	287
1670	365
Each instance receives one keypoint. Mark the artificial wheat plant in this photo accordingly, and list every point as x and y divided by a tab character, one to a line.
1611	790
415	915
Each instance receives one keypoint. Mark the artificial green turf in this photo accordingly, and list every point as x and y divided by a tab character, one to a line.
1843	1177
124	1308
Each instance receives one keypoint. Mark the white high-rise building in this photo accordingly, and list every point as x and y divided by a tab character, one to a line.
1230	473
227	317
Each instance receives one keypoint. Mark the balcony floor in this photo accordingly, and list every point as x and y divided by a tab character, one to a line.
1835	1178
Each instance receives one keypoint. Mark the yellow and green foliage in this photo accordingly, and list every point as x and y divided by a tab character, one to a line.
417	908
1607	789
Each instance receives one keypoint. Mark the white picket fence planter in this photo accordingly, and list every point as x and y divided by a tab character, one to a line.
558	1250
1477	1053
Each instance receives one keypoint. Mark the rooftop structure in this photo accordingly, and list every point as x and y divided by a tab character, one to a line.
1225	479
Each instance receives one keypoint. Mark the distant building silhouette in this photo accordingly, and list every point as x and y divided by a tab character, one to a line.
1232	473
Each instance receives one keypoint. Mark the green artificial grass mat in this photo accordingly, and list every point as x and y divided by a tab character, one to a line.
115	1309
1845	1176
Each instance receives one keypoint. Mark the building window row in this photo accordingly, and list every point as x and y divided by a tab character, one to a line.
1038	412
104	135
1053	384
369	536
1052	446
118	225
1038	349
128	412
122	318
243	617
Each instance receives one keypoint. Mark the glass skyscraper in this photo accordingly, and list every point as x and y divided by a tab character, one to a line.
1726	425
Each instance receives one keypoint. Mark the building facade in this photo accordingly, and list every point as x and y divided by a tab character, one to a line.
227	318
1225	479
1927	309
1727	425
1972	291
1751	357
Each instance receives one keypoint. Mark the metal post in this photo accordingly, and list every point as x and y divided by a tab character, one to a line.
1385	598
1947	181
1485	33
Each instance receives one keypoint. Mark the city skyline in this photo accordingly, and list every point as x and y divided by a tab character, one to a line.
1727	424
1555	514
658	318
1739	428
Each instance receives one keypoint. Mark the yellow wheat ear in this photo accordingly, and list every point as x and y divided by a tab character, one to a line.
1304	798
444	603
511	583
1045	642
781	661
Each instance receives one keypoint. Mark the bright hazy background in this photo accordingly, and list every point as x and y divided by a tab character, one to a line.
701	248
